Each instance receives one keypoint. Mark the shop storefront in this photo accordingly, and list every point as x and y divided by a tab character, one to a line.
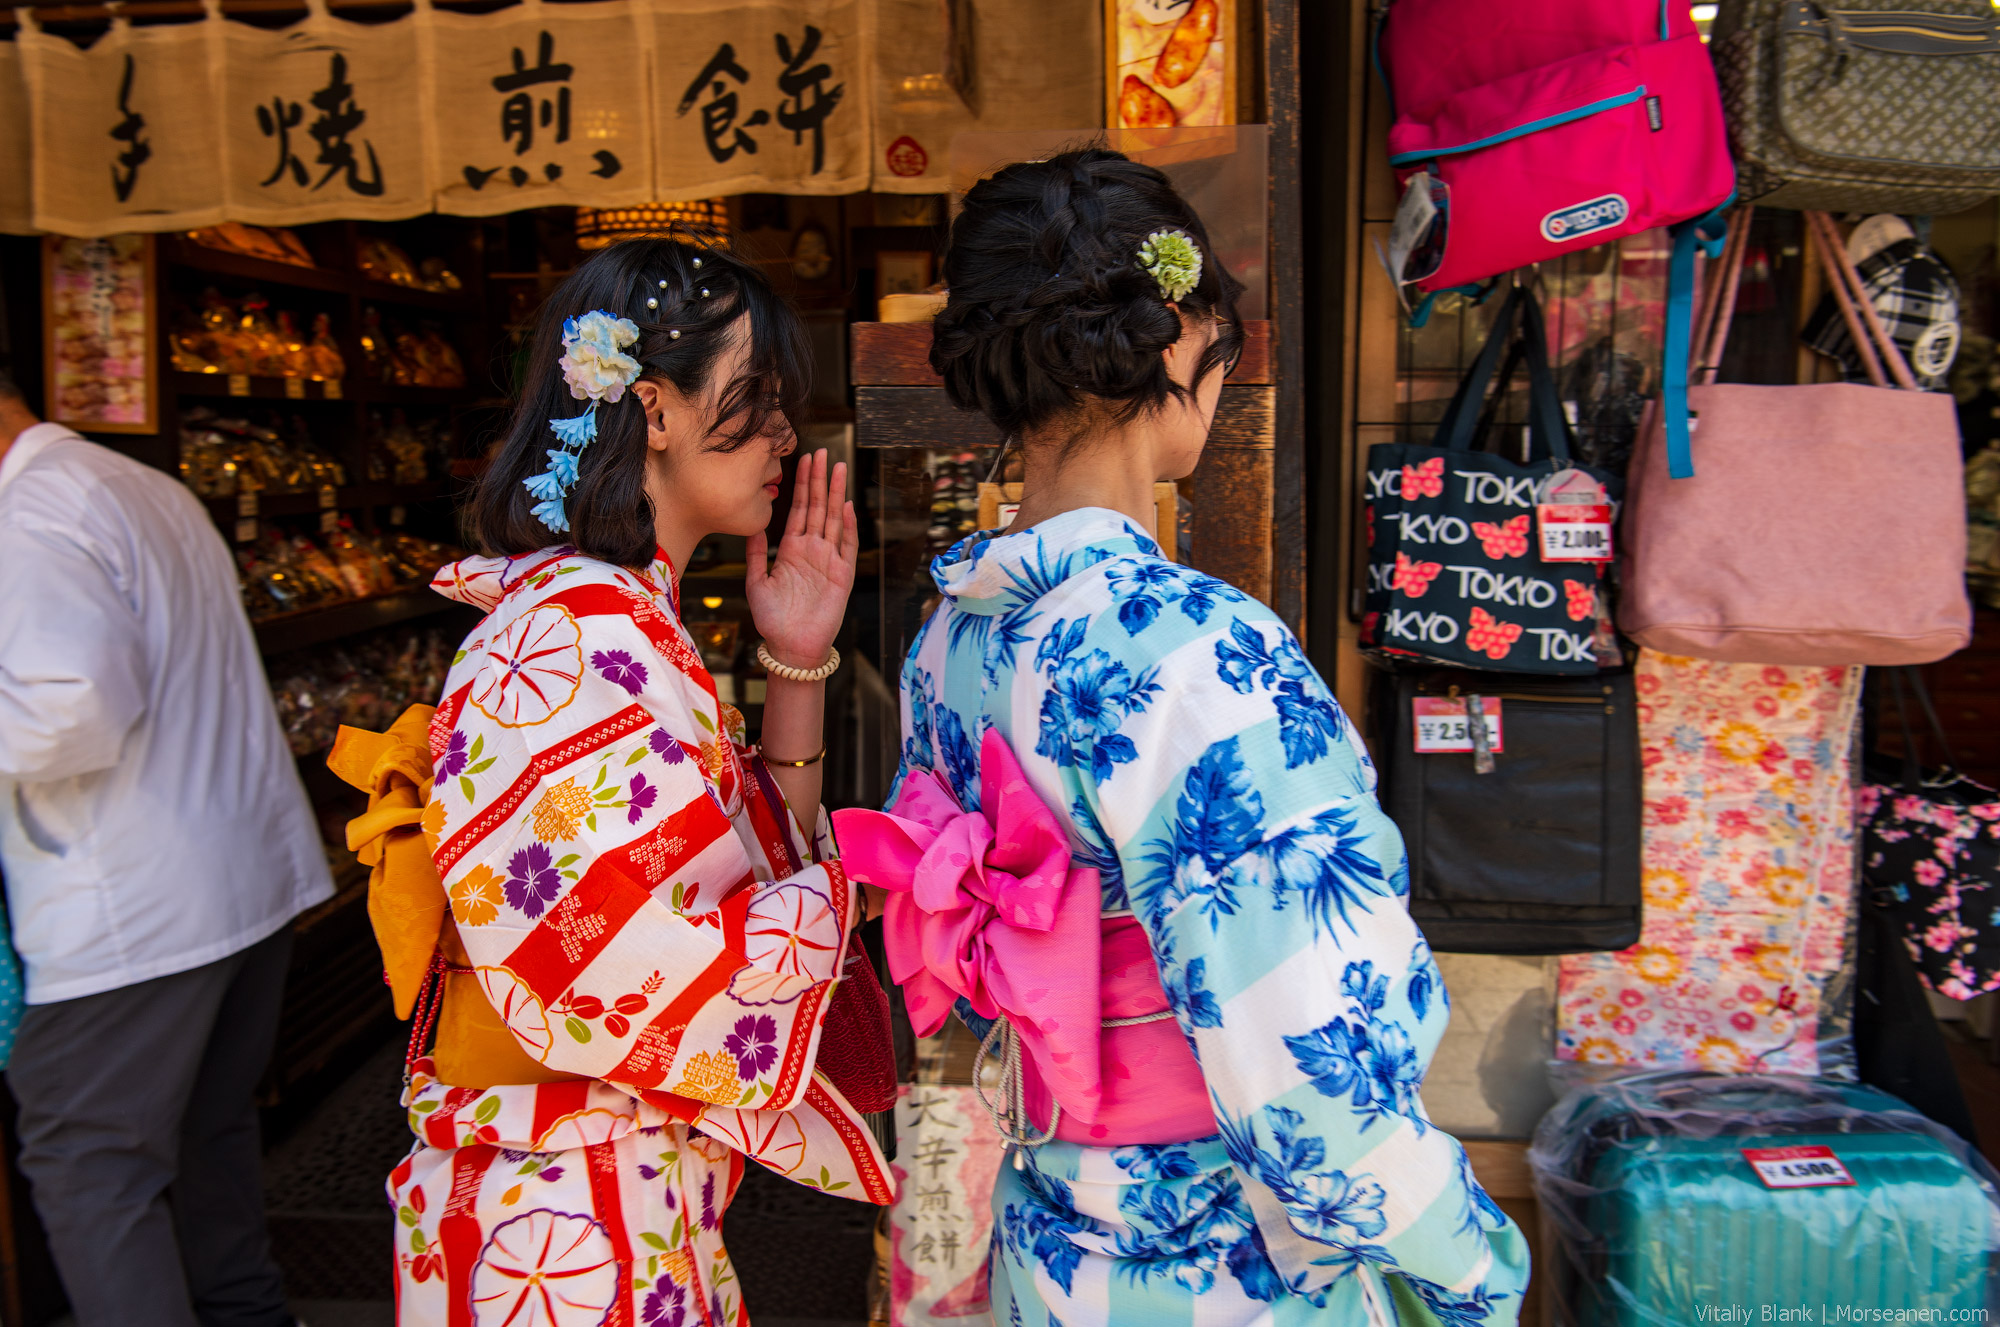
308	294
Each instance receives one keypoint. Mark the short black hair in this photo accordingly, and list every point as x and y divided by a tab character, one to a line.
702	292
1048	304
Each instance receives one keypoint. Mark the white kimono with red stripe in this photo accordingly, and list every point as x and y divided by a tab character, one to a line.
634	897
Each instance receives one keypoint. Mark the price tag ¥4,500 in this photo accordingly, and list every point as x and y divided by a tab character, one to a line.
1444	726
1809	1166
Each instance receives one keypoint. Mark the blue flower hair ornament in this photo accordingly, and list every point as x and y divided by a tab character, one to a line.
597	369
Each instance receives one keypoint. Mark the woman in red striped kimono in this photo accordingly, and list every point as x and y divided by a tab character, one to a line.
641	899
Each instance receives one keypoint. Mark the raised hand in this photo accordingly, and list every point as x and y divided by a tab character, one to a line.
798	599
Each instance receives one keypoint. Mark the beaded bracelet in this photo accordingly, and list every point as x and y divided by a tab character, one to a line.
790	674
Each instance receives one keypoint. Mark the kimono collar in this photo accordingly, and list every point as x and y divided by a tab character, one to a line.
484	581
989	573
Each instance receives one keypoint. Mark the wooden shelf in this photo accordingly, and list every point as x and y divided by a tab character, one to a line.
260	388
315	626
222	386
225	510
186	253
384	393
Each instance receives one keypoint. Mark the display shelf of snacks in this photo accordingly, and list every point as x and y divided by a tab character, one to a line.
305	628
316	399
310	501
258	386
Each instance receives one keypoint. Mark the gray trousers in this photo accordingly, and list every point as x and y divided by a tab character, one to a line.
139	1137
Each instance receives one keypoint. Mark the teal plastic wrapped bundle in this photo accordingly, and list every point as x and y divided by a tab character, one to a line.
1682	1199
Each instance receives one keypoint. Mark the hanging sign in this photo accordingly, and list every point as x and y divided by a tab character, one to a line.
121	137
323	119
549	107
16	202
177	126
761	97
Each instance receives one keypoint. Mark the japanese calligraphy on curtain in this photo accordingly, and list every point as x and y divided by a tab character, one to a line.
547	105
761	97
119	138
322	120
604	104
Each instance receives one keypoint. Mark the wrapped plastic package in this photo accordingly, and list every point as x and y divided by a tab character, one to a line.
1680	1198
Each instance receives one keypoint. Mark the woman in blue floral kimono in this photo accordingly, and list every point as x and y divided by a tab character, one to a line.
1216	788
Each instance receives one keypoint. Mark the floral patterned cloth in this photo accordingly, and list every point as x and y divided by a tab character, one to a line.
1223	796
632	893
1748	874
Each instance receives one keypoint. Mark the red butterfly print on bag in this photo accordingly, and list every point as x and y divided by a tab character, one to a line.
1424	481
1582	600
1503	541
1413	578
1490	636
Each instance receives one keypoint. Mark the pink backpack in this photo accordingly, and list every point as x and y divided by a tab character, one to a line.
1545	126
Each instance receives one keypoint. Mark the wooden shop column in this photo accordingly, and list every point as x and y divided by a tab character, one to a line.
899	402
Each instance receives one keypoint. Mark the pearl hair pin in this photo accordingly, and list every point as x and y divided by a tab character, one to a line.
704	292
652	304
674	335
697	264
663	285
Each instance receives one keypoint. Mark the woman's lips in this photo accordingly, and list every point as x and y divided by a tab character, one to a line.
772	488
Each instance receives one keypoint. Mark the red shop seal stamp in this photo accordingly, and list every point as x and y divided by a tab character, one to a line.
907	157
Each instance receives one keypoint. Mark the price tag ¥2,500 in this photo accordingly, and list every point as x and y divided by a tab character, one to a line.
1443	725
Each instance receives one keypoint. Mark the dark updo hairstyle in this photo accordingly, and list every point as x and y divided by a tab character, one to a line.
1048	304
609	513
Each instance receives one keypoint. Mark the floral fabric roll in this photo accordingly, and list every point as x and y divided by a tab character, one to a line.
1749	875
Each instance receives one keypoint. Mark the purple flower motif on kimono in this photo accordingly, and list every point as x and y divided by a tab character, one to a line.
532	879
754	1043
454	759
665	747
708	1213
666	1306
643	796
620	668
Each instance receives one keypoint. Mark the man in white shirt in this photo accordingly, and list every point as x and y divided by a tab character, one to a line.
157	843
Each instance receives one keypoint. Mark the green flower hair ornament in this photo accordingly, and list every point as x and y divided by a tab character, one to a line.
1173	261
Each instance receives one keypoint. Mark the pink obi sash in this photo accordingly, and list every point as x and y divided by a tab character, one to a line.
986	906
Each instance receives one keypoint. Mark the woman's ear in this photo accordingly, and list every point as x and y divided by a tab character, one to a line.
653	399
1182	356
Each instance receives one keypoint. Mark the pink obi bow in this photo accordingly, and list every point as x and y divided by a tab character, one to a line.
985	905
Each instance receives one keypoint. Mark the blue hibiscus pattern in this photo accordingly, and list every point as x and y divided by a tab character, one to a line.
1209	777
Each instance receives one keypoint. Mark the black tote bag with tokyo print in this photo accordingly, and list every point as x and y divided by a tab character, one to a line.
1481	561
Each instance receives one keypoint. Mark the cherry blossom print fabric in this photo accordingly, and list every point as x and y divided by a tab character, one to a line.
1207	776
1749	874
644	913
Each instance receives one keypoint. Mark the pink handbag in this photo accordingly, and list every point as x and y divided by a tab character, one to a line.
1816	524
1546	126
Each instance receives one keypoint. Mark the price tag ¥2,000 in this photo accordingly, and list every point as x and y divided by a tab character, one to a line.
1808	1166
1443	725
1575	532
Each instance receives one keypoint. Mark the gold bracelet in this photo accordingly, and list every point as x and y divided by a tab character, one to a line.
791	674
791	764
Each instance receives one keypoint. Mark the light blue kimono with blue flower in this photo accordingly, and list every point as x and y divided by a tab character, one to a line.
1210	777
